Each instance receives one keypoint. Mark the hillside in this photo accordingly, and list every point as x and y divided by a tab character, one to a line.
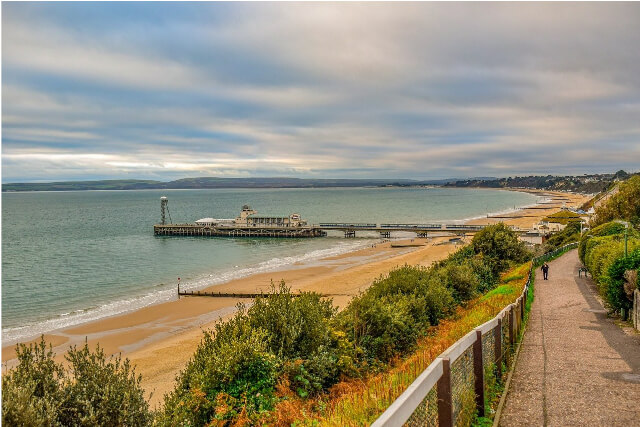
589	184
213	182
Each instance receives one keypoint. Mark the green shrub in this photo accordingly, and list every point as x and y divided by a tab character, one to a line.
500	245
608	229
236	368
602	252
232	371
382	326
295	326
615	292
570	234
462	279
32	392
94	391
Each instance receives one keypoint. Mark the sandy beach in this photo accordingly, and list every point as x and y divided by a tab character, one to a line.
160	339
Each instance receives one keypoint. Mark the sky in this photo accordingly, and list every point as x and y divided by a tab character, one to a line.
318	90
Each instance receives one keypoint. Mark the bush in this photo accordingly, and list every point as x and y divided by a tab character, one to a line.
235	369
615	291
384	327
602	252
32	392
231	372
39	391
461	279
296	326
500	245
608	229
387	319
570	234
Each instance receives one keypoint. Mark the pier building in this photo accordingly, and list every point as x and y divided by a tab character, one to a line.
247	224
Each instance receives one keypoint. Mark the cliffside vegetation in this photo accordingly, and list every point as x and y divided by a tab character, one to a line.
289	352
602	249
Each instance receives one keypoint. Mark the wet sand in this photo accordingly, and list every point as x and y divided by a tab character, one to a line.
160	339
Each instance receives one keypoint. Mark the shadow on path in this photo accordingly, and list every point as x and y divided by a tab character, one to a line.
627	346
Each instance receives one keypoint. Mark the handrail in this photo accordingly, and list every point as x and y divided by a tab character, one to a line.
412	396
406	404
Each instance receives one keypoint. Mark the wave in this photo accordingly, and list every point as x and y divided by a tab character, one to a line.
65	320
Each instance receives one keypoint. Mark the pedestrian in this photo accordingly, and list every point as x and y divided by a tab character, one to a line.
545	271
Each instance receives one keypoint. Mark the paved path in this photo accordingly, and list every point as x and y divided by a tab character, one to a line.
576	367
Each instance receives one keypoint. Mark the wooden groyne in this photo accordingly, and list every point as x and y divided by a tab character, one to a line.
219	294
236	294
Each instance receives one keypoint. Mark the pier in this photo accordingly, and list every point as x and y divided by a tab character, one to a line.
249	224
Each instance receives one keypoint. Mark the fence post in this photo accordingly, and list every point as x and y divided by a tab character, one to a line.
512	331
497	337
445	402
522	300
478	371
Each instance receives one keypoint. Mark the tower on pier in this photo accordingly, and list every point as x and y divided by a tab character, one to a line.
163	208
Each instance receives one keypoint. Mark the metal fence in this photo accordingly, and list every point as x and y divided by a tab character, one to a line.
452	387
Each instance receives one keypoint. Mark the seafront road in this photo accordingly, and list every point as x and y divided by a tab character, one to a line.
576	366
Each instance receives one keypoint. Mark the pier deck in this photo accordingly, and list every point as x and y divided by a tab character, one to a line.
319	230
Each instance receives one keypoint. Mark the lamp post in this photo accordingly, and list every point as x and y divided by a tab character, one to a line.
626	238
626	234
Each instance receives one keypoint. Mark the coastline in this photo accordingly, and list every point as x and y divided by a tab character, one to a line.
159	339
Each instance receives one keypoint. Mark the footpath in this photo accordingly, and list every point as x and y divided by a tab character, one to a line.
576	367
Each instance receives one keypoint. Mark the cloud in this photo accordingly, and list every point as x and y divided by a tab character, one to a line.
416	90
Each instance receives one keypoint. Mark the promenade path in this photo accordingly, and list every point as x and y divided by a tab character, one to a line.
576	367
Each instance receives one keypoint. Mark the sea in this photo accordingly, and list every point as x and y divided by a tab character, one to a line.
73	257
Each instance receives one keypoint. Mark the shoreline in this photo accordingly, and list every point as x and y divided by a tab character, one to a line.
160	338
124	306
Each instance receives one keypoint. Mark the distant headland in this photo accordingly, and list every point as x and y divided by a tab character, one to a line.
592	183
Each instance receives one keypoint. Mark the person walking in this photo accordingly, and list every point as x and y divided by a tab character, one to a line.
545	271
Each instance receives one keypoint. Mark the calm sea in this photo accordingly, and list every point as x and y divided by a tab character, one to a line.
71	257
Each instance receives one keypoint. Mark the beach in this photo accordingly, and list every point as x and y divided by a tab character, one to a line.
160	339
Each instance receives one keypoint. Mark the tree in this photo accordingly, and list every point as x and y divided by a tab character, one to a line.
94	391
500	245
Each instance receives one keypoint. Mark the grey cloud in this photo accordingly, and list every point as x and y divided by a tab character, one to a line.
409	90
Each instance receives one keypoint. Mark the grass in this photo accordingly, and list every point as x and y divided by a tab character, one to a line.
360	402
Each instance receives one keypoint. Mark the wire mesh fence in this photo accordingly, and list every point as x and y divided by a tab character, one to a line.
488	349
462	386
426	414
